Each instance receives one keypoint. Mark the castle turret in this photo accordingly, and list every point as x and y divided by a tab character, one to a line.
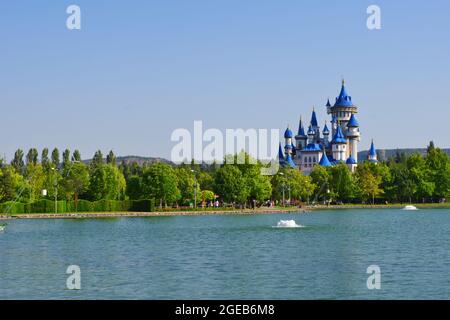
343	107
351	163
372	156
311	135
301	138
288	135
338	145
280	155
324	161
353	137
326	134
315	126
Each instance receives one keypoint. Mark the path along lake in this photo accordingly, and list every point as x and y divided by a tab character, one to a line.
231	257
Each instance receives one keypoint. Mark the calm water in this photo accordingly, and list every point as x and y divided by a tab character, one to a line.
230	257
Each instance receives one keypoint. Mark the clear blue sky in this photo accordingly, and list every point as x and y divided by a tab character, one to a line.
140	69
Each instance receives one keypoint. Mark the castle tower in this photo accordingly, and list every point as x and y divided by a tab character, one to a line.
343	107
372	156
315	126
301	138
326	134
339	145
351	164
353	137
311	135
288	135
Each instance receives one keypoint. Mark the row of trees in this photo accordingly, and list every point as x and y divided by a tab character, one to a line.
414	178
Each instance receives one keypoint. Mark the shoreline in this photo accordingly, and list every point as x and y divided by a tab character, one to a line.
295	210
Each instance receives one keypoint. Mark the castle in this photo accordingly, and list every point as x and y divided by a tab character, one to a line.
313	148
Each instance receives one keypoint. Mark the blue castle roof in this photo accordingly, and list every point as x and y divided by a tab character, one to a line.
324	161
339	136
314	119
328	103
343	100
372	152
301	130
353	122
311	131
288	133
280	154
289	161
313	147
351	160
325	129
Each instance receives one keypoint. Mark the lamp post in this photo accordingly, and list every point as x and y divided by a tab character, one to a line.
195	189
282	186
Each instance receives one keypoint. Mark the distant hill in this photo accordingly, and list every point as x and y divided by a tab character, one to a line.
384	154
138	159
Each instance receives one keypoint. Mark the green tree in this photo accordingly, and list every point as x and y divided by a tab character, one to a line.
134	187
35	178
32	156
76	180
97	160
320	177
160	182
10	181
187	184
111	158
438	163
76	156
66	158
368	182
342	185
230	184
55	158
45	161
17	161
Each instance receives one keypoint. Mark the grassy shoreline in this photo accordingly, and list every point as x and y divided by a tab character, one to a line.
297	210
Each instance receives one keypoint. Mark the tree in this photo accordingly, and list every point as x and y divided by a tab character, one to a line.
320	177
106	182
66	158
230	184
111	158
17	161
134	187
76	180
160	182
438	163
35	177
342	184
368	182
299	187
9	183
55	158
76	156
44	159
97	160
32	156
421	176
187	184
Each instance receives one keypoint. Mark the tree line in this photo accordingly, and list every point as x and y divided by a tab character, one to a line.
414	178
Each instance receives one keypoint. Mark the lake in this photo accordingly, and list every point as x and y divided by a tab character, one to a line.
231	257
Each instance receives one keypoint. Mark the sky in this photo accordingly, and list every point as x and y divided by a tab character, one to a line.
137	70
